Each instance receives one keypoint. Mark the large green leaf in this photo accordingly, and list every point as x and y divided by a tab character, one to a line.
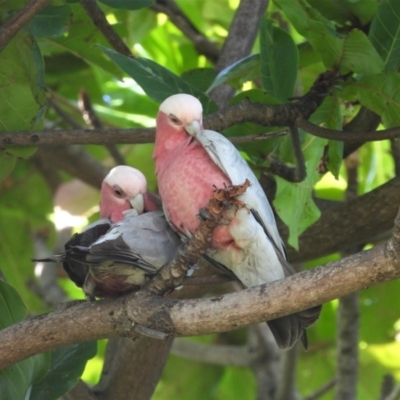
385	33
127	4
379	93
245	69
293	201
346	10
66	367
201	78
157	81
51	21
16	380
81	39
22	95
351	53
279	61
300	13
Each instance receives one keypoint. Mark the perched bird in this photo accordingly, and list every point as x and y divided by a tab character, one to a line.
125	188
190	163
109	259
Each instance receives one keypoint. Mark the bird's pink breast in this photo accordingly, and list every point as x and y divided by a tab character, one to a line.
187	178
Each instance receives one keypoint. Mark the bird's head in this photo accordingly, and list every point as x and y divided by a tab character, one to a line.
179	115
122	189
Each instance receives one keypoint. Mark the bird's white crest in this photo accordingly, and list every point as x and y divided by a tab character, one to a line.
129	179
184	106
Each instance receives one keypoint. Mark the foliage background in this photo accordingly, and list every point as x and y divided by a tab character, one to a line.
62	52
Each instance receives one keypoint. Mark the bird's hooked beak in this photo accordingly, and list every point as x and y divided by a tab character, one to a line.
137	203
193	128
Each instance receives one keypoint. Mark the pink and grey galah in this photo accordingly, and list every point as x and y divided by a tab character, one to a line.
125	248
190	163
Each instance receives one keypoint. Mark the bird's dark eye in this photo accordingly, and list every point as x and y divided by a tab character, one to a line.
118	191
174	119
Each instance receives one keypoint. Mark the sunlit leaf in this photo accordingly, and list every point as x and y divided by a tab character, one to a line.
385	33
242	70
351	53
300	13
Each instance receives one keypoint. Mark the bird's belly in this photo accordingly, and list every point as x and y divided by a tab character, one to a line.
187	185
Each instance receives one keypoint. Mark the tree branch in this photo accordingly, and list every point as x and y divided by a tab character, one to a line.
211	353
11	27
100	20
111	317
242	33
346	136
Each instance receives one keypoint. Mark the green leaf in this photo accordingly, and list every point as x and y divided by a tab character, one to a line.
351	53
16	380
385	33
243	70
346	10
157	81
7	164
51	21
201	78
127	4
379	93
82	37
329	114
279	61
66	367
300	13
22	94
293	202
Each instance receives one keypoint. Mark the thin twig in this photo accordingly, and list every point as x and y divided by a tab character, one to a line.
92	120
181	21
322	390
11	27
347	136
100	20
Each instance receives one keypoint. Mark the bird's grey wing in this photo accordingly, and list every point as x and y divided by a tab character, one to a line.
144	242
227	157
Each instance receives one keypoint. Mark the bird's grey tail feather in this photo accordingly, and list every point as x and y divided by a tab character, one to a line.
291	328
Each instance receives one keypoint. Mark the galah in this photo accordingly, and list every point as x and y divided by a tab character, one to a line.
190	164
125	188
109	259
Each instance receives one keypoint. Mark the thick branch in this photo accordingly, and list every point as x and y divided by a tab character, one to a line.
107	318
11	27
181	21
238	44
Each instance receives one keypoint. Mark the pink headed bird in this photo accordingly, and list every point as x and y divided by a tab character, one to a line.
190	163
127	246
